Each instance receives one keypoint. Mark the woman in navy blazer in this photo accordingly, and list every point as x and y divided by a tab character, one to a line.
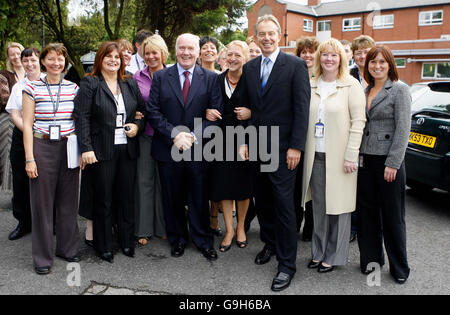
381	177
105	110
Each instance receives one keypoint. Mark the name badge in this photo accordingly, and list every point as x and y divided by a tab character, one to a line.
119	120
320	130
361	161
55	133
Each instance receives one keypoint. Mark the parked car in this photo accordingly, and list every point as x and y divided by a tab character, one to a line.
428	153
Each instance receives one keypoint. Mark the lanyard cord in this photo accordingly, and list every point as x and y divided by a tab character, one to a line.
55	105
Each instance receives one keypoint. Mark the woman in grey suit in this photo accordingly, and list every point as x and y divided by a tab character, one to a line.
381	177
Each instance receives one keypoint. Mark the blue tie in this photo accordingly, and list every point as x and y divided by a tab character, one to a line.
265	73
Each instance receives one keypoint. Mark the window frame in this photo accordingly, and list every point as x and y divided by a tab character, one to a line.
323	21
311	29
383	25
352	25
421	23
436	66
400	67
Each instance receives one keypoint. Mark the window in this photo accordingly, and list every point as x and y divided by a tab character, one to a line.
436	70
401	62
351	24
383	21
324	26
307	25
431	18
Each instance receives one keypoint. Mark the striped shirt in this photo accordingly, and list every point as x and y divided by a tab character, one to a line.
44	113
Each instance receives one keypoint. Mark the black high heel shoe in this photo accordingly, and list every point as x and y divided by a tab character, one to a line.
224	248
241	244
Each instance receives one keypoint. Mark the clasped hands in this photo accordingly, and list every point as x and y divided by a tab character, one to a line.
184	141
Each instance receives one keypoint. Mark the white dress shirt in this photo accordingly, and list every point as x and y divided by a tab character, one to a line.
273	57
137	63
181	72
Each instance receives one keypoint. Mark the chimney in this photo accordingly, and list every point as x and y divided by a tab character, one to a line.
313	3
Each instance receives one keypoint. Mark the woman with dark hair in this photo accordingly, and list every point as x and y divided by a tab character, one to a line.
381	178
21	191
305	49
105	110
47	127
209	47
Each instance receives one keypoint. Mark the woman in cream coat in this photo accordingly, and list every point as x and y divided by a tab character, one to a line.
336	124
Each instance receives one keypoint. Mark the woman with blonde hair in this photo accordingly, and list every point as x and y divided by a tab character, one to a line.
336	124
14	73
149	209
232	180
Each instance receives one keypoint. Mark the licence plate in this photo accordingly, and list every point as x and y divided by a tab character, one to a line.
423	140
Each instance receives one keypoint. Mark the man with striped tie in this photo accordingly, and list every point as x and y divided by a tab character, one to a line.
278	92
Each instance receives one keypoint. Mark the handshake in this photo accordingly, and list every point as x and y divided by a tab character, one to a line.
184	141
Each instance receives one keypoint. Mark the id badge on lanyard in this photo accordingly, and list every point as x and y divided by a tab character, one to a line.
320	130
54	129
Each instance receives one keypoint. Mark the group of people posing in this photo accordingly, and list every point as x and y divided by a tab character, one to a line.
342	136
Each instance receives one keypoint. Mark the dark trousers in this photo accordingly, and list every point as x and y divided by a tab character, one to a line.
186	183
274	201
381	216
21	188
301	213
56	187
114	182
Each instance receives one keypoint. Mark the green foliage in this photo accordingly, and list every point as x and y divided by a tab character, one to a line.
22	21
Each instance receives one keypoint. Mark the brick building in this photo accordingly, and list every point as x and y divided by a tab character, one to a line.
417	31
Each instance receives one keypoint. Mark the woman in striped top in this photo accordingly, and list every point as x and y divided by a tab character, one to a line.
47	124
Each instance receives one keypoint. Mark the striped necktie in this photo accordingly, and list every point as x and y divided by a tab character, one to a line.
265	73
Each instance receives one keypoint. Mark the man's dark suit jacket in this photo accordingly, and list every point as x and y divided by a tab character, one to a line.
95	116
166	109
284	101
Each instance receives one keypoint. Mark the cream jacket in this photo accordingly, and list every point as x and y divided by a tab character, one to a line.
345	119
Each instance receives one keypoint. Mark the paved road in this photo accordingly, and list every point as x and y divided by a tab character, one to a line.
154	271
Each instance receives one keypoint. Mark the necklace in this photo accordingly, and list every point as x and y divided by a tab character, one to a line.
229	80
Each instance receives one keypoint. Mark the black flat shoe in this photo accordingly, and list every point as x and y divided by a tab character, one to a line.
177	250
400	280
107	256
89	243
313	264
75	258
42	270
224	248
264	256
128	252
281	281
241	244
209	253
18	232
323	269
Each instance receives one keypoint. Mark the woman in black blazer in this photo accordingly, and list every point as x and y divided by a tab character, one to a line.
105	110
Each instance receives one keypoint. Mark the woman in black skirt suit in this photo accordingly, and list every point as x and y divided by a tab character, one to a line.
232	180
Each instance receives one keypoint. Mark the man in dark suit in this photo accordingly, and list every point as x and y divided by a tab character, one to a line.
278	93
180	96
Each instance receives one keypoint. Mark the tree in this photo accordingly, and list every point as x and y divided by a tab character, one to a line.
174	17
55	17
113	35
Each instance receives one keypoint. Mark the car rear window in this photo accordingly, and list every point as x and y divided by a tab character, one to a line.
437	98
